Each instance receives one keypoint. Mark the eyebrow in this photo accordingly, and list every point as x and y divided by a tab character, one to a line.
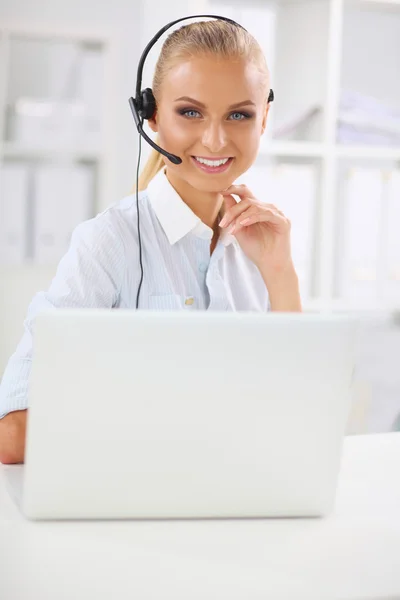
193	101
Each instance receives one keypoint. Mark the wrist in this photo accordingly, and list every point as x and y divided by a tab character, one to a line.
283	289
279	276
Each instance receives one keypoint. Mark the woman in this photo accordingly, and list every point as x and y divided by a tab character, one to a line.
201	248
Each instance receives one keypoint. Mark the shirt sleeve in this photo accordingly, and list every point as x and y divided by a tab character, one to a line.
88	276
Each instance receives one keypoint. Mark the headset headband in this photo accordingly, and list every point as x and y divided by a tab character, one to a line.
159	34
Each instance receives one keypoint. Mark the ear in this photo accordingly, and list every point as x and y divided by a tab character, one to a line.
153	122
265	117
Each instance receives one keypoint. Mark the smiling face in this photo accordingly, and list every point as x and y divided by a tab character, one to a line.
211	110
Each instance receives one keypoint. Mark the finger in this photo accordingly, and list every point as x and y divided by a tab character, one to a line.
255	214
234	212
250	212
240	190
274	219
229	201
253	219
275	208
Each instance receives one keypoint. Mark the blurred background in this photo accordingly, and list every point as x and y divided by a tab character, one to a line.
330	158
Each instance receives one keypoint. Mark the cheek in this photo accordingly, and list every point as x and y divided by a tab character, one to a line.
248	144
248	140
176	131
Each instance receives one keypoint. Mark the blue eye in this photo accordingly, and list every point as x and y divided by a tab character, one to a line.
241	116
186	113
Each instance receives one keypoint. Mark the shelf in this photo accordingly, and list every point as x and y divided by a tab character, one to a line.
27	273
28	29
372	152
317	150
381	5
24	279
339	305
15	150
25	269
298	149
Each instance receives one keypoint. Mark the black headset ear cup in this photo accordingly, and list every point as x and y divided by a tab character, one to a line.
148	103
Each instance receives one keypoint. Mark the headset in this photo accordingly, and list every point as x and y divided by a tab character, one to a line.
143	107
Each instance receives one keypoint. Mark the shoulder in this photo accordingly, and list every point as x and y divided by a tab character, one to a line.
127	206
115	228
121	217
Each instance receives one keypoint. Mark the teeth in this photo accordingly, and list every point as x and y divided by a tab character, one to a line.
212	163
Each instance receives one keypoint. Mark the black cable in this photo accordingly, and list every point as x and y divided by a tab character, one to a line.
138	221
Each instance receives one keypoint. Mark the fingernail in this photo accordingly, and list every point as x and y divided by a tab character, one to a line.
223	222
231	228
244	221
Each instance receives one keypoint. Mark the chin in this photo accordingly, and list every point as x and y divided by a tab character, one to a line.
211	183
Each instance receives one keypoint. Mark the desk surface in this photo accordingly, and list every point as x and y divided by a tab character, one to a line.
355	553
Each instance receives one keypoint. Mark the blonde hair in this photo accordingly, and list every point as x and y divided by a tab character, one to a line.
154	164
217	38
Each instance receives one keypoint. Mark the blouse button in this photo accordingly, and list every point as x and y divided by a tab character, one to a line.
203	267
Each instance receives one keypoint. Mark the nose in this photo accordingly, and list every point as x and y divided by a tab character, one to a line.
214	137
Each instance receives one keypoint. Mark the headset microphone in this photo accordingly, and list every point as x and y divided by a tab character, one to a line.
174	159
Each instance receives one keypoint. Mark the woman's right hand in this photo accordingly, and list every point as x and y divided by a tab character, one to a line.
12	437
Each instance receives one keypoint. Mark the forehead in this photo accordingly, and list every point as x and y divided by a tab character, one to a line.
208	80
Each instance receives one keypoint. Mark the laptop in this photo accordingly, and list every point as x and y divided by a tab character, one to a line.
149	415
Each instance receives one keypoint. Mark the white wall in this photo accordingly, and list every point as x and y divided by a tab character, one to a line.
118	17
371	54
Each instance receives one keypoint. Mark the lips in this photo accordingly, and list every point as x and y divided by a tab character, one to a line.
212	169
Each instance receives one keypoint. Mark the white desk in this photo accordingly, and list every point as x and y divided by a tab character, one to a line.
355	553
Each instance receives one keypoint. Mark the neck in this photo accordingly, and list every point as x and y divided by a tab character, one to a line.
205	205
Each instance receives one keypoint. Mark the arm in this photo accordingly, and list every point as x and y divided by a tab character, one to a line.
12	437
283	291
